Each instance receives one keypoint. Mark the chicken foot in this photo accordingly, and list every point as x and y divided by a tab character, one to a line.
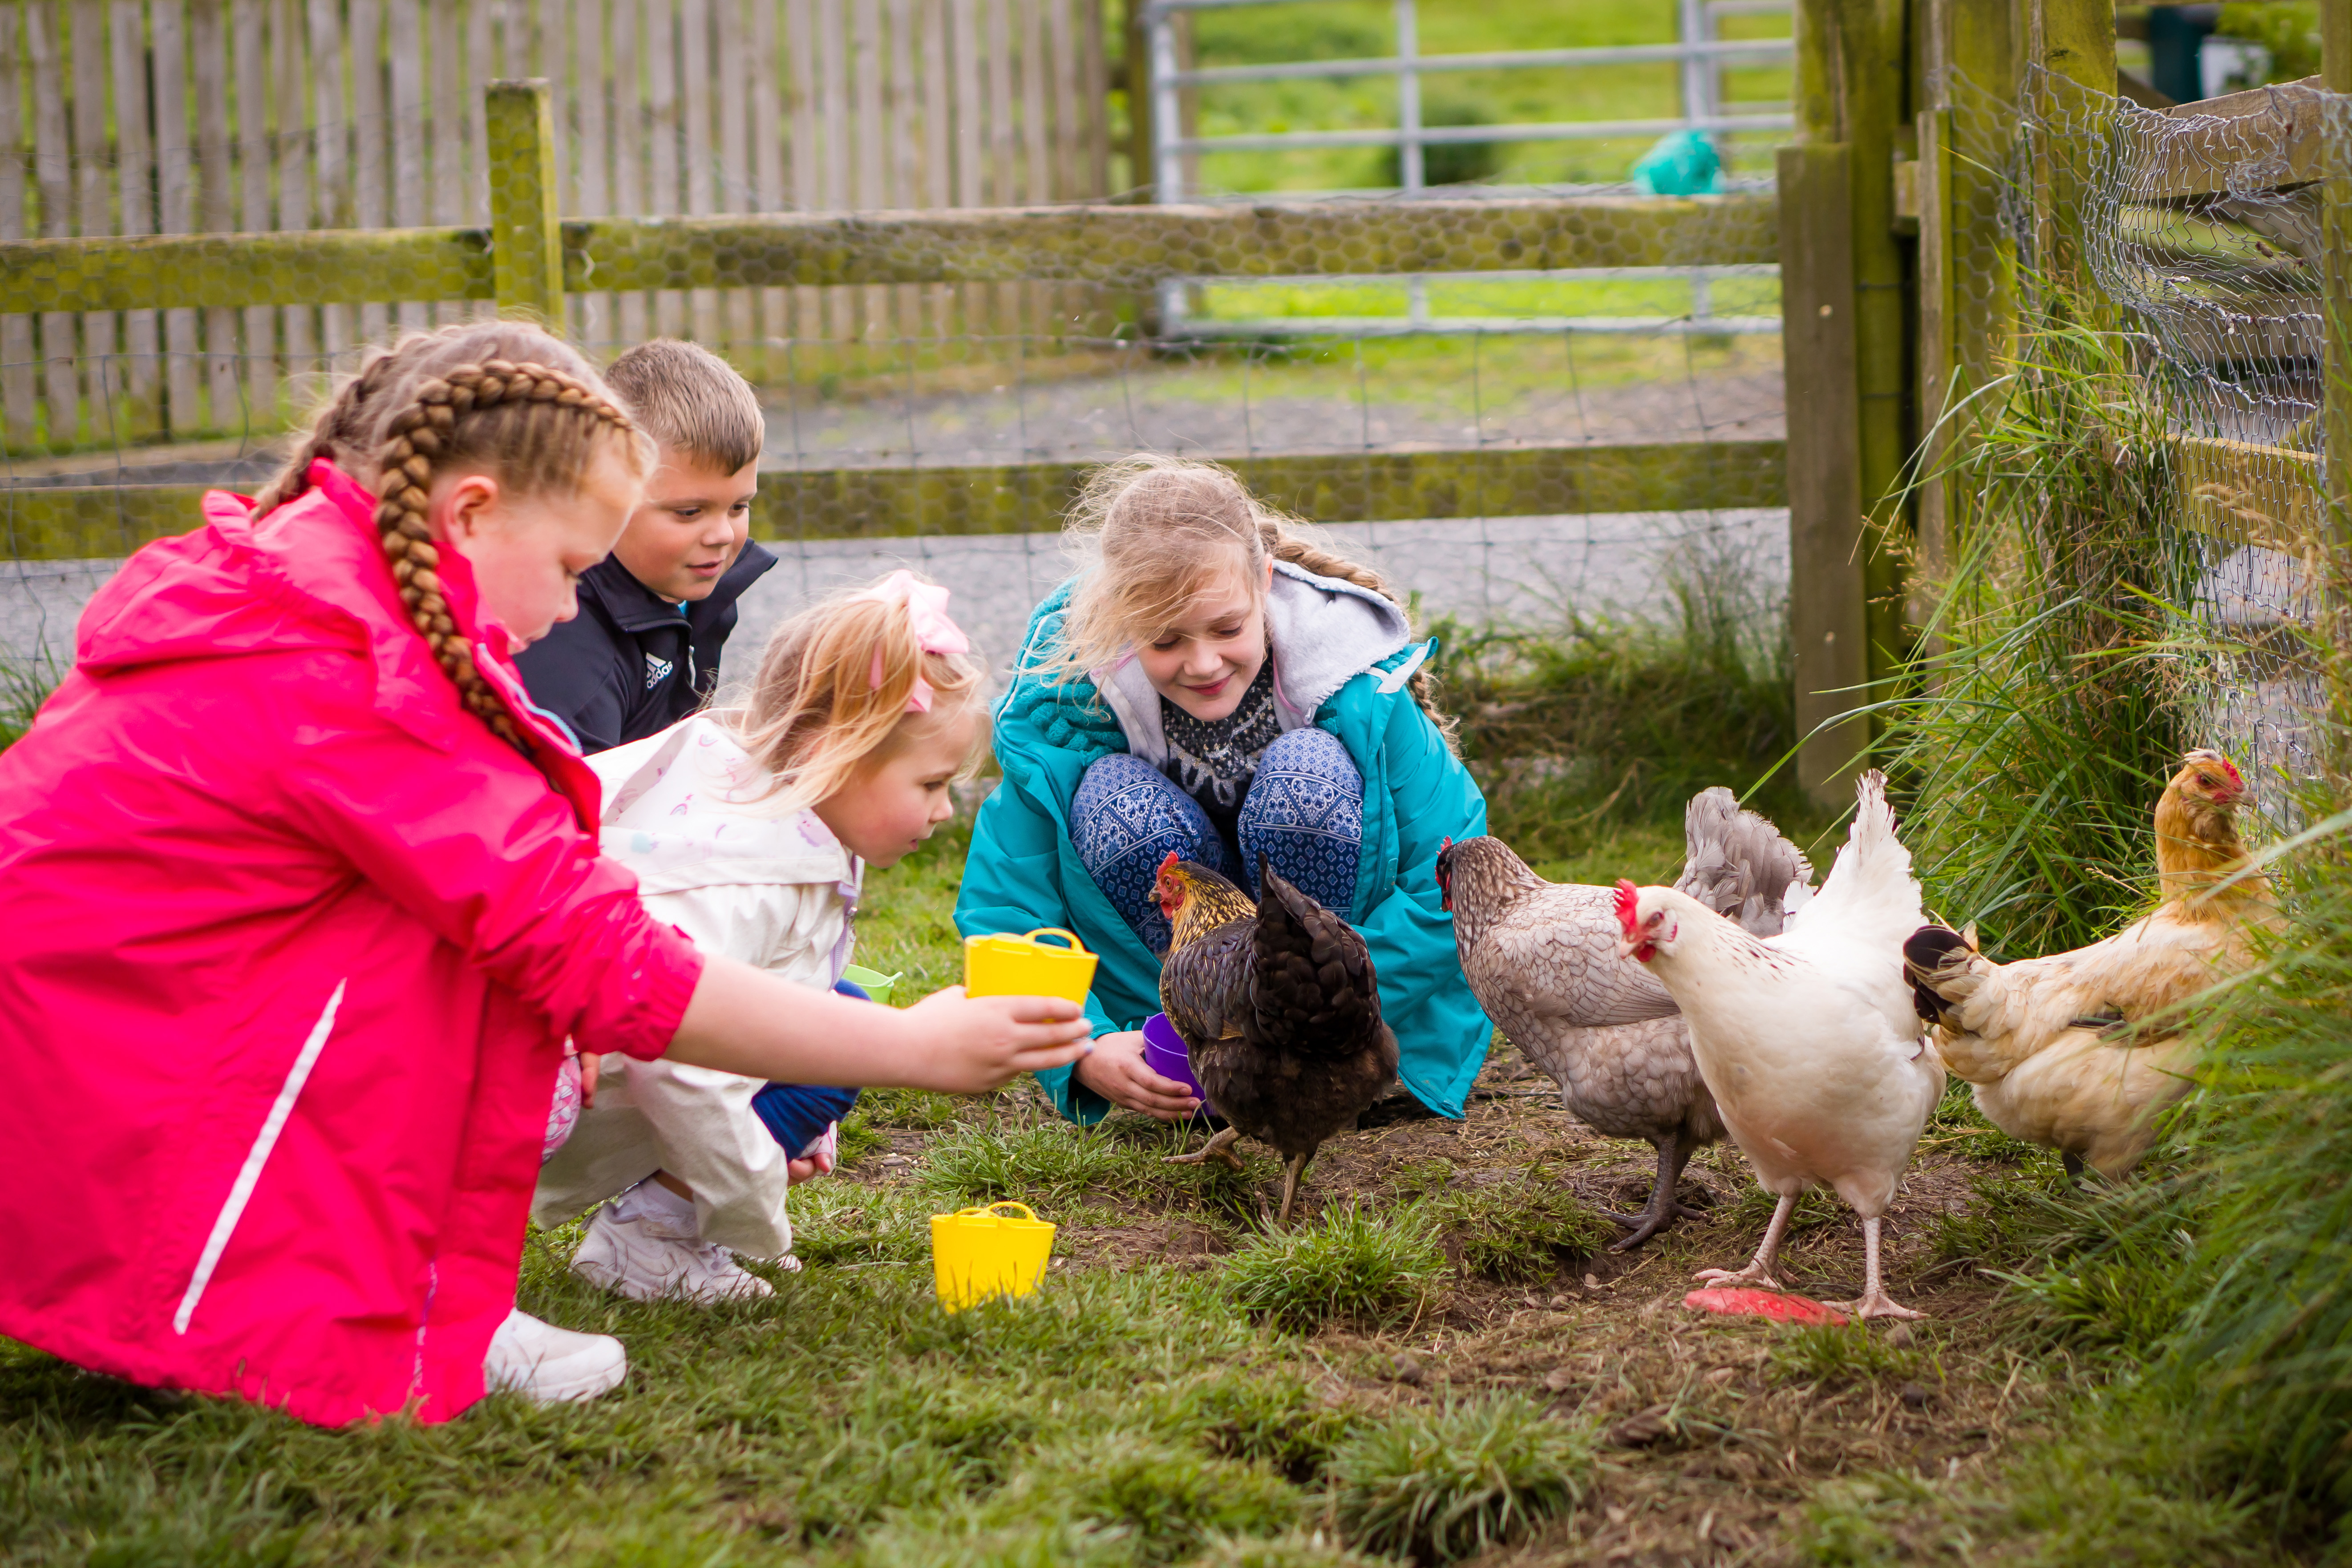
1874	1301
1674	1153
1759	1268
1219	1148
1290	1174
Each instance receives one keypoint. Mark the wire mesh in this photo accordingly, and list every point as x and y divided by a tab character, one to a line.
2192	239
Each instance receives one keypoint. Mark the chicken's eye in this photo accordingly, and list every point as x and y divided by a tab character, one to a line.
2205	780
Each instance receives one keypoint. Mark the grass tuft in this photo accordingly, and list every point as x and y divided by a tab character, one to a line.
1347	1266
1828	1353
1451	1482
1043	1164
1518	1230
1271	1416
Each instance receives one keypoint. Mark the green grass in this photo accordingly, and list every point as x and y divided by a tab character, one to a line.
1346	1265
1451	1482
1518	1229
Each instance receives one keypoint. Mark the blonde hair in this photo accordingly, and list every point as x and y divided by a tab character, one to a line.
692	402
501	397
815	712
1155	531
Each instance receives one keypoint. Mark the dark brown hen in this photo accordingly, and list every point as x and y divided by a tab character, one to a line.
1280	1012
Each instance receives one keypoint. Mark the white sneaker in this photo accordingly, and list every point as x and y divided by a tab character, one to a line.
549	1365
643	1256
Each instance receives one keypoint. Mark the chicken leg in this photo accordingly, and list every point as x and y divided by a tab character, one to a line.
1674	1152
1759	1268
1874	1301
1219	1148
1290	1174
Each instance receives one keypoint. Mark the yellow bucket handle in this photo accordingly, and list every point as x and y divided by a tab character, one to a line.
989	1209
1076	945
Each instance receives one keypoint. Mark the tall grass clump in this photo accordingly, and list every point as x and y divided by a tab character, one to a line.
25	684
1451	1482
1621	718
1344	1264
2042	721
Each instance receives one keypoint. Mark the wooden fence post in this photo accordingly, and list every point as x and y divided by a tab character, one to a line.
1846	349
526	245
2336	66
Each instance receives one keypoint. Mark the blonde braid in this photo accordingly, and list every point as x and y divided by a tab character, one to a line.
415	438
333	428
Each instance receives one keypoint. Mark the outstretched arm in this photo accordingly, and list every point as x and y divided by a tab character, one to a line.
743	1021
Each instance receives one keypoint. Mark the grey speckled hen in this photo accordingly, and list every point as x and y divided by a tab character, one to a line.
1542	958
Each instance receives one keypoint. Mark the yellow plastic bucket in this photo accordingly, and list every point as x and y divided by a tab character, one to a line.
1008	965
876	986
978	1255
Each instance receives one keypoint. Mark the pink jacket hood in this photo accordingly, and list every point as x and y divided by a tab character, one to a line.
294	944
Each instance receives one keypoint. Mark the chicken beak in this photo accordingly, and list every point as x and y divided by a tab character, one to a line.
1629	948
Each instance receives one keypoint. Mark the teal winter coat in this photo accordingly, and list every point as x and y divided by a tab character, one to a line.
1024	872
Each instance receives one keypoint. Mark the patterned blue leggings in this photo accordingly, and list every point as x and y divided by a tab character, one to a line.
1304	811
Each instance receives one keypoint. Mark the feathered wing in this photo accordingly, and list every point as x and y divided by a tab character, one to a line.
1204	986
1556	958
1994	1016
1312	986
1738	864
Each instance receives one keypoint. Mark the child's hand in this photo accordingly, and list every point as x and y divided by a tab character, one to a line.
819	1161
972	1044
589	1062
1118	1072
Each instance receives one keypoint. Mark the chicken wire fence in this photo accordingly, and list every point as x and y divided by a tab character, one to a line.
1581	453
2189	242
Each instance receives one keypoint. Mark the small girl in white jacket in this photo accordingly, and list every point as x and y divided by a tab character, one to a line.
748	829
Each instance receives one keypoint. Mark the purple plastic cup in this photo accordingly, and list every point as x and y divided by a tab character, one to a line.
1164	1053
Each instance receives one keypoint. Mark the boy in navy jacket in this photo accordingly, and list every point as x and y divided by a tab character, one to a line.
642	652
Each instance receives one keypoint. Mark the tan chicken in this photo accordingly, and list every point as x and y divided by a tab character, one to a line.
1542	959
2056	1046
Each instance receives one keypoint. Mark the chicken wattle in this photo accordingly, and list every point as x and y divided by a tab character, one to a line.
1808	1041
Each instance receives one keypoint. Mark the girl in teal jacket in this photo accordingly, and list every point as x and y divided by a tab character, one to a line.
1214	684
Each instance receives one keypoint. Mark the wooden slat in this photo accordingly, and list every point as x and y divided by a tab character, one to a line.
290	135
1137	246
938	141
870	143
331	143
633	310
176	192
695	107
445	127
208	63
804	112
257	343
2245	493
833	89
1067	95
902	115
663	194
1037	71
335	266
2214	138
42	523
53	179
93	204
1828	602
1094	100
19	394
404	36
479	69
729	60
768	159
370	139
135	211
970	134
593	156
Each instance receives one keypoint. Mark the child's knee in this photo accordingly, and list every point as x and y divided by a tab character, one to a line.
1316	752
1123	805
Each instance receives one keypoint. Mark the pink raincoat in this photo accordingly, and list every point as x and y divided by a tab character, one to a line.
292	944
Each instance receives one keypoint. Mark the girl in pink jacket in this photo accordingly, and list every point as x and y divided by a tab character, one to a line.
302	900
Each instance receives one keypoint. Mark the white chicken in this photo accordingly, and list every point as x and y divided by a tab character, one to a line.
1808	1041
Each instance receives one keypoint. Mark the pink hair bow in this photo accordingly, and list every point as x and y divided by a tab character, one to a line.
927	611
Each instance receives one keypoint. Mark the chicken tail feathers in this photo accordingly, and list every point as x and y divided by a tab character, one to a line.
1870	892
1932	957
1737	863
1312	987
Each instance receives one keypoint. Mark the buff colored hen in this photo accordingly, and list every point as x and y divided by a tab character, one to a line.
2060	1049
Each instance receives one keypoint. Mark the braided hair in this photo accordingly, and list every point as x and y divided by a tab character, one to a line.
1159	525
501	396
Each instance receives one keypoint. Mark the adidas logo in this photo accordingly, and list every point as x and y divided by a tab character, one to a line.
657	671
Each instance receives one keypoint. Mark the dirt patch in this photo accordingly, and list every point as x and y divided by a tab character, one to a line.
1718	1429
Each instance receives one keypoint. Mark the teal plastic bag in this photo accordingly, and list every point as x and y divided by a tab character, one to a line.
1683	163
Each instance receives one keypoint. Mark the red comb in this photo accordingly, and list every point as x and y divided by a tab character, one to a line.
1169	861
1444	845
1628	897
2234	777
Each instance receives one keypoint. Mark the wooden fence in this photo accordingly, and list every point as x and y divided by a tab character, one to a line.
526	261
138	117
